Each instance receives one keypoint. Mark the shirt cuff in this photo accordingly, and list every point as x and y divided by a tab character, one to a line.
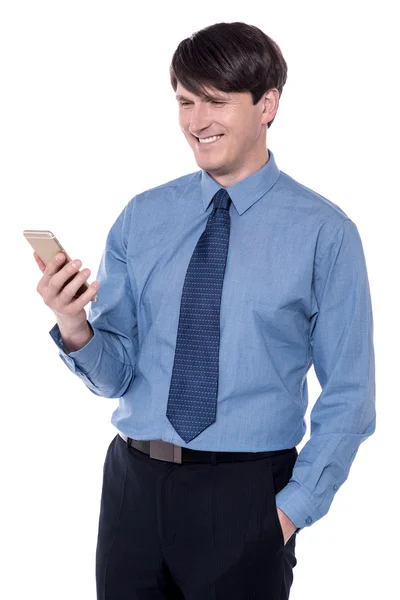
295	503
78	357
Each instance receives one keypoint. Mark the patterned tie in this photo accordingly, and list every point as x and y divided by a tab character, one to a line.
192	401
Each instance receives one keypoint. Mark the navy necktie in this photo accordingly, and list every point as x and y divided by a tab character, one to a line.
192	401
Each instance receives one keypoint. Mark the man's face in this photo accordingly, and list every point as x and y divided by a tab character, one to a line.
226	132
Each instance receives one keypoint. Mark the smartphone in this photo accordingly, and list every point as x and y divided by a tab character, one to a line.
46	246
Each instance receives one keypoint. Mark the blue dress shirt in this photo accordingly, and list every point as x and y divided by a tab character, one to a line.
295	293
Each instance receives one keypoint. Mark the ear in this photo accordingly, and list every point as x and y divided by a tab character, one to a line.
270	103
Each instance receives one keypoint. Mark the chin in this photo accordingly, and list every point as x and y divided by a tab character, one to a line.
210	166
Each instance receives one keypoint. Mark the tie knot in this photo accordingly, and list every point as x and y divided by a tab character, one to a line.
221	199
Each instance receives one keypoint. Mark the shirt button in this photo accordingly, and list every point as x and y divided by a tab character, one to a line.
335	487
308	520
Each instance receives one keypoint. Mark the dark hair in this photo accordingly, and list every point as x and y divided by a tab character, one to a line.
230	57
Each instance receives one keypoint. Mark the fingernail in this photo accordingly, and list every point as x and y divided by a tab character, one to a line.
59	257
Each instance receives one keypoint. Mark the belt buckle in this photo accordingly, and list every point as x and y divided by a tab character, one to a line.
161	450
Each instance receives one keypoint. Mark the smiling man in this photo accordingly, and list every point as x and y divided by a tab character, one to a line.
226	131
217	292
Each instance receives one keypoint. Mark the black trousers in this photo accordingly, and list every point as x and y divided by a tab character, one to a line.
192	531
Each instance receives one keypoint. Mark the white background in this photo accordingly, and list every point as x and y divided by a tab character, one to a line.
88	120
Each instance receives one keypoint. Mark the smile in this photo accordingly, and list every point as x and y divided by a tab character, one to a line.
209	140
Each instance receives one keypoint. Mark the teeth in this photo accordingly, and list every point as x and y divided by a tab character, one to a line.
210	139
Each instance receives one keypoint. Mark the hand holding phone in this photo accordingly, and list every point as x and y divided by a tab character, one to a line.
46	247
63	288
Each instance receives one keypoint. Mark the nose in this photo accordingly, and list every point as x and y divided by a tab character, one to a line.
199	118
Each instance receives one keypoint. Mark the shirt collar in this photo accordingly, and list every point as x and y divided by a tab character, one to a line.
243	193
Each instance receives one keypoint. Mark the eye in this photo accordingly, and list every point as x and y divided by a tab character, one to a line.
183	103
217	102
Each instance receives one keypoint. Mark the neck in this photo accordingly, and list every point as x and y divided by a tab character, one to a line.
228	178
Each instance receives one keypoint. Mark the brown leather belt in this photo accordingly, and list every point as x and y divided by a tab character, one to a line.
168	452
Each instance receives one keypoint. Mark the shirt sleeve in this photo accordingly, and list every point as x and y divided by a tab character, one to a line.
106	364
343	416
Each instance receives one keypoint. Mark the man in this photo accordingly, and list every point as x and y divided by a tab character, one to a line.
217	291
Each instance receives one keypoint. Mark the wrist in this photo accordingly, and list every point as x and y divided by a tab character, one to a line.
75	337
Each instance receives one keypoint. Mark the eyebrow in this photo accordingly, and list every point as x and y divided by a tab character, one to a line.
207	97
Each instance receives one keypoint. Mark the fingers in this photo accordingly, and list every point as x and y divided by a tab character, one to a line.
74	283
53	266
39	262
67	280
60	283
74	306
